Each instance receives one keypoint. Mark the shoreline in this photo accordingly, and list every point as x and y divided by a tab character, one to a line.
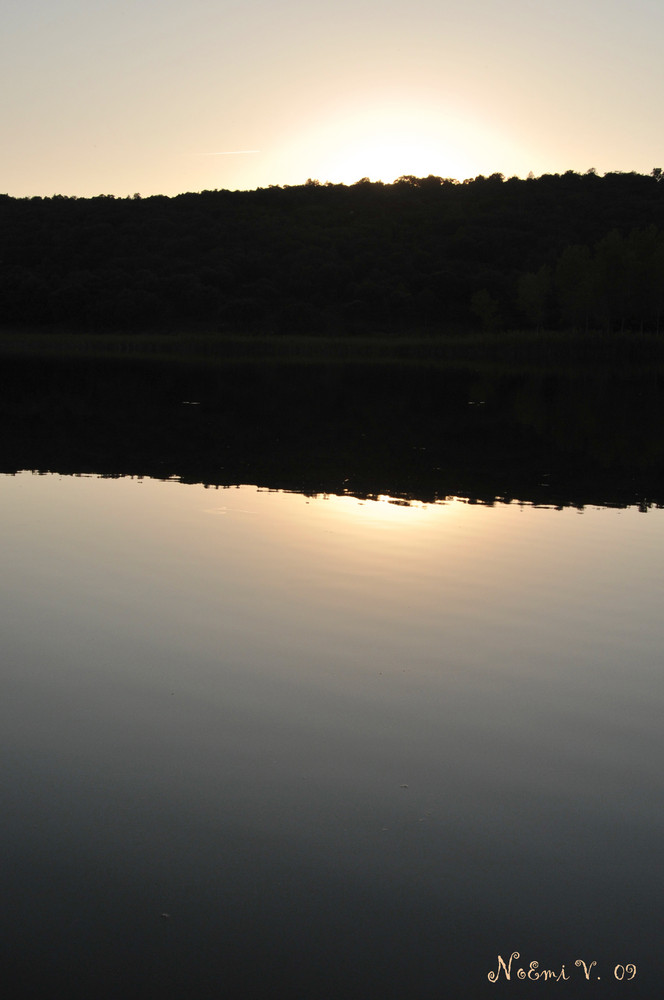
543	350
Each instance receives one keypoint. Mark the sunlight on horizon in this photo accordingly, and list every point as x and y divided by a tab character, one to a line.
388	138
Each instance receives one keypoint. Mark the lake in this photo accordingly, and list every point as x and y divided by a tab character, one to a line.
266	743
337	681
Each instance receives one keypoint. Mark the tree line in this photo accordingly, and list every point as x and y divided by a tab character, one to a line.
561	251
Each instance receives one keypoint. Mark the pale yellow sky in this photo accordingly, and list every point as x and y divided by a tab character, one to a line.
159	97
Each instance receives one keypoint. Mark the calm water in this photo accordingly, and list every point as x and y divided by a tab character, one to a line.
257	744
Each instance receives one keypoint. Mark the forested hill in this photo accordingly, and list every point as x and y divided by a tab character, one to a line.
422	254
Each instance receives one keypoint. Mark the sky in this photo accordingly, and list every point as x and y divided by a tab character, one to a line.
162	97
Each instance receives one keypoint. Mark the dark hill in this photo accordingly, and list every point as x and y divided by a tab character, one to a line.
425	254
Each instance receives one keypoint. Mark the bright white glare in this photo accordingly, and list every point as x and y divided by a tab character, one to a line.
384	511
387	139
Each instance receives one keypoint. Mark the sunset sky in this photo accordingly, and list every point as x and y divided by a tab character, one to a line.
161	97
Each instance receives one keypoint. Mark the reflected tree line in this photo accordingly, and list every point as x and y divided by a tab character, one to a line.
411	433
571	251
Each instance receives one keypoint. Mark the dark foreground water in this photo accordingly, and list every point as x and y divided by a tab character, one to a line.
257	744
301	741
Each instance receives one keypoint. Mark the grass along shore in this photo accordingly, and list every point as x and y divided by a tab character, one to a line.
516	347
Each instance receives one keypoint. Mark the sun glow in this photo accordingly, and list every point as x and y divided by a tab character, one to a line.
385	511
388	139
385	146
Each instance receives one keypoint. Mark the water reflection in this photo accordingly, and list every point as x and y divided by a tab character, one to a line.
351	748
559	439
